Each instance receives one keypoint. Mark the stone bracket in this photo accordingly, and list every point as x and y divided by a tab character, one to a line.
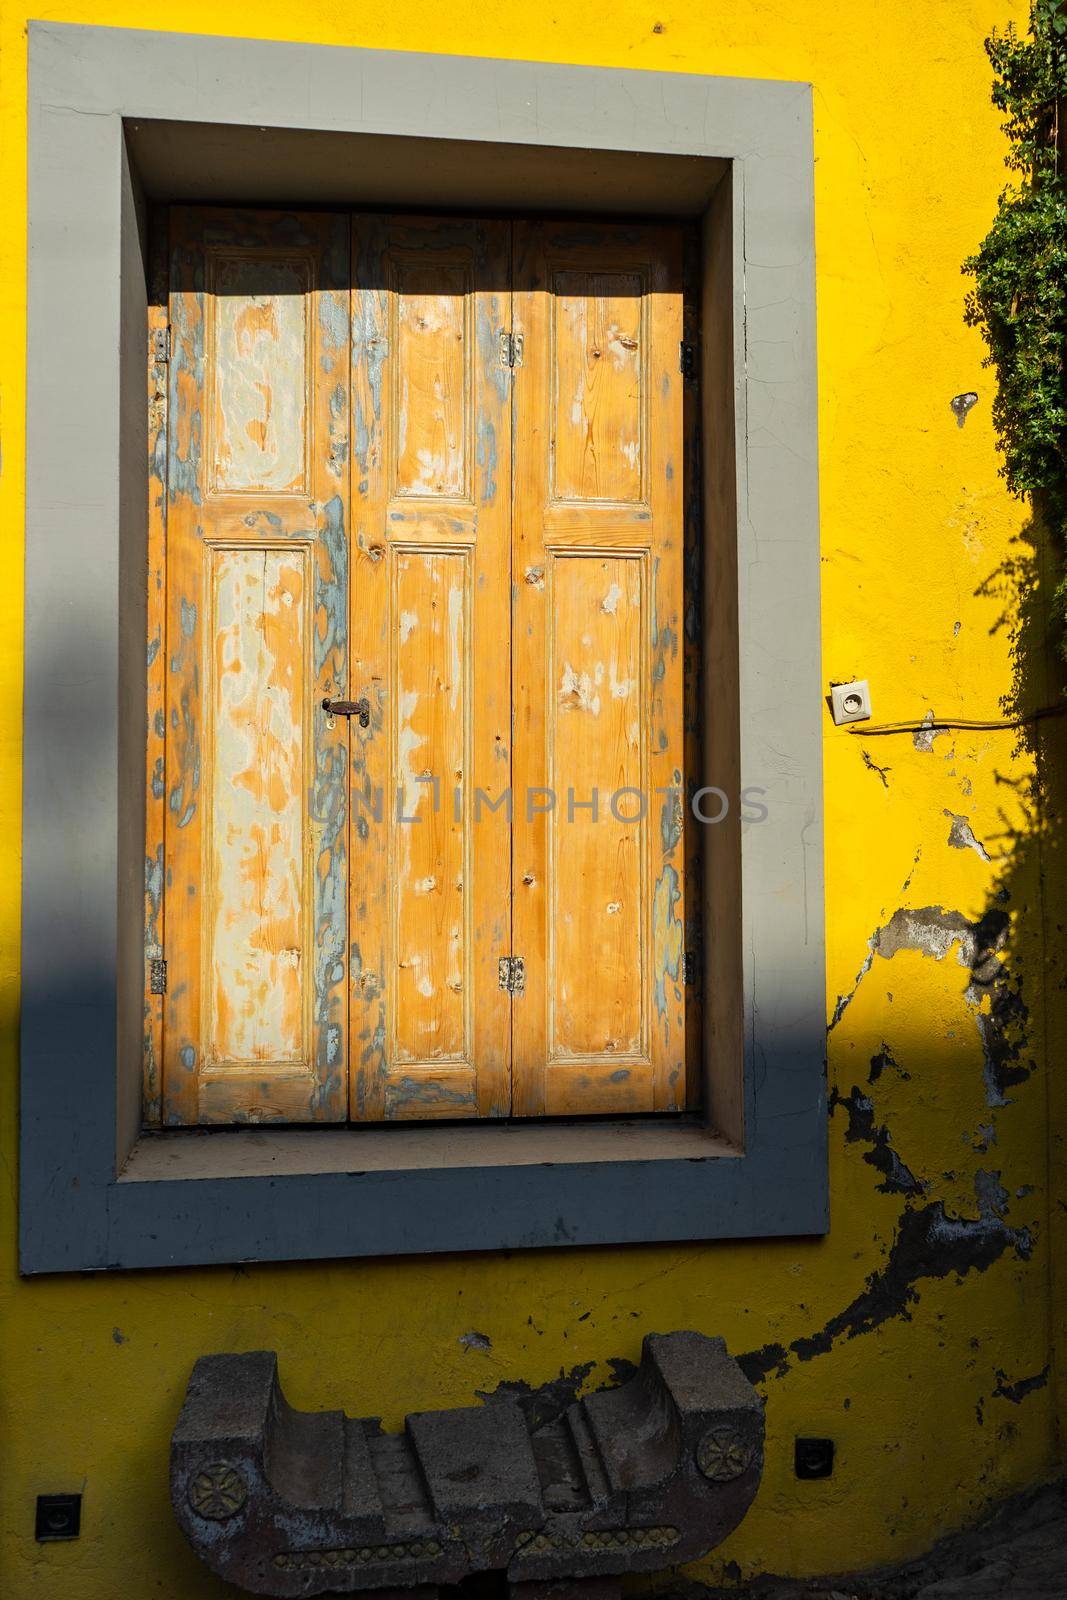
633	1479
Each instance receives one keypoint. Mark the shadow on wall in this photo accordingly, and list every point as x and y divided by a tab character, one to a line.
1014	984
1027	1020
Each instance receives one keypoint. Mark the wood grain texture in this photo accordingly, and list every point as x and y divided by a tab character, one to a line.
257	373
431	602
598	397
431	397
255	1024
431	566
597	621
598	730
256	777
345	521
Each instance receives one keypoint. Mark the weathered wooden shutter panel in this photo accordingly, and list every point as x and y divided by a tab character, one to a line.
341	933
430	650
256	637
598	674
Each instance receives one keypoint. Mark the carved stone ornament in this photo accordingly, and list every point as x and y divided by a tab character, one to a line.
723	1455
634	1479
217	1492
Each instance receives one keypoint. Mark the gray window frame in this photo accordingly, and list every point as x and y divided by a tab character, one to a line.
96	1192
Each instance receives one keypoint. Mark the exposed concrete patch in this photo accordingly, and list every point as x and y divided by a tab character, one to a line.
923	738
961	835
932	931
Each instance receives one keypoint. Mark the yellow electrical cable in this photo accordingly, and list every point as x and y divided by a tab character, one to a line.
934	724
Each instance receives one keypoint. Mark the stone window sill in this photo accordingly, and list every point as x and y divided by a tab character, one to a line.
264	1152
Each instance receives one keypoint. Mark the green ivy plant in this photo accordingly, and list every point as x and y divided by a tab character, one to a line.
1019	299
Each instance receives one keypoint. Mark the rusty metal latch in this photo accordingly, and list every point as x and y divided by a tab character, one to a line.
511	349
348	708
512	975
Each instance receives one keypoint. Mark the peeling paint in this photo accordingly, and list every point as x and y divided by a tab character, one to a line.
1017	1392
923	739
916	1291
929	1243
547	1401
897	1179
961	836
993	992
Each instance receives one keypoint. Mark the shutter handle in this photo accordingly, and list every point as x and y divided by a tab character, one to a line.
348	708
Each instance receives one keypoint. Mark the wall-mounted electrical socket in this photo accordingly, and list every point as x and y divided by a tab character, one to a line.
813	1458
59	1516
850	702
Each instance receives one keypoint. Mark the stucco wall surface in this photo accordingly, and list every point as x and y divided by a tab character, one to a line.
921	1333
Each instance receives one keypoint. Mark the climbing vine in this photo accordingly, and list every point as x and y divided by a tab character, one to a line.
1019	298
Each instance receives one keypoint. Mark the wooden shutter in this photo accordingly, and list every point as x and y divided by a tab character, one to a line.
430	650
599	905
257	620
345	906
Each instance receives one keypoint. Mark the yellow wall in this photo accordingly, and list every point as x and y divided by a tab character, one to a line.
929	592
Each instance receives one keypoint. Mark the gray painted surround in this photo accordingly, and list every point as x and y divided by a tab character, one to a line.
84	714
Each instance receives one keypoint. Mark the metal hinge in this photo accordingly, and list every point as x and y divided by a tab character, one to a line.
160	344
512	974
157	976
510	349
687	360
